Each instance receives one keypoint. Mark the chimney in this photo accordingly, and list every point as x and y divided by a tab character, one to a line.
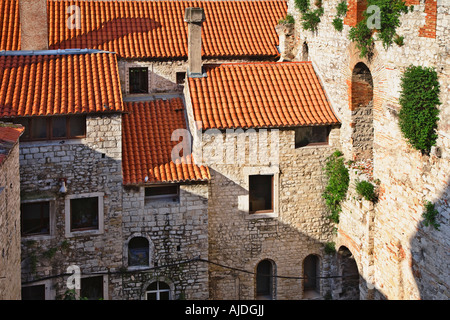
33	24
194	17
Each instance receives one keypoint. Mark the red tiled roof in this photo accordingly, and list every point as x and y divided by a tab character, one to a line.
155	29
9	25
50	84
147	146
9	135
258	95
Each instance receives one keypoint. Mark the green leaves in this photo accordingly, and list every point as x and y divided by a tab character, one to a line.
429	215
366	190
419	99
338	181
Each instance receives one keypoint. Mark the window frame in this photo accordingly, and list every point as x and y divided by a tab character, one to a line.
138	266
157	291
163	197
313	144
130	70
30	121
52	226
40	218
272	193
68	215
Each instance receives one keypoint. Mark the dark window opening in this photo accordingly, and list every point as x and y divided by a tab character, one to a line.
180	77
138	252
36	292
158	291
138	80
52	128
264	280
84	214
92	288
35	218
261	193
311	136
311	273
168	193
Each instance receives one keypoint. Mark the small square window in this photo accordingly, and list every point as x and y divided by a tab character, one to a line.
39	128
138	80
310	136
59	127
164	193
77	126
35	218
36	292
92	288
84	214
181	76
261	193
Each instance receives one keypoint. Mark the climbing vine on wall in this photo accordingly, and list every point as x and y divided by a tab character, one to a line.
419	114
341	11
310	17
338	182
382	16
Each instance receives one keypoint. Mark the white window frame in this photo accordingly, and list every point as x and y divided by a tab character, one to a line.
105	285
101	215
244	200
50	293
52	219
157	291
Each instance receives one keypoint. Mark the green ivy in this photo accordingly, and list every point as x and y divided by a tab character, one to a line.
310	18
419	99
366	190
338	181
287	19
429	215
341	11
390	12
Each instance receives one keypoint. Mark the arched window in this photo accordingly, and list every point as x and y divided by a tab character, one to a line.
305	52
158	290
350	275
138	252
311	273
362	112
264	280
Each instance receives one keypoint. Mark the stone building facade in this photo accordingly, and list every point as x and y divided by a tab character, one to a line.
10	282
397	256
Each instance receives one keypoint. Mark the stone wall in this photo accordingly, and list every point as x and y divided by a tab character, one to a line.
10	226
408	260
297	226
177	233
91	167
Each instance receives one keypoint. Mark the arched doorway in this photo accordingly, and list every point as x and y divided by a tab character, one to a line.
264	280
350	275
362	112
311	274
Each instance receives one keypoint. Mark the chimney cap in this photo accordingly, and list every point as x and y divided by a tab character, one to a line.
194	15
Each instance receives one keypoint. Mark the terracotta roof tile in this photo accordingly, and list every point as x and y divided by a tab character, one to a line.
155	29
257	95
49	84
147	146
9	135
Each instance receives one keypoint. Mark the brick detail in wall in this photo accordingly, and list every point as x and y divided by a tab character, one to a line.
355	12
429	29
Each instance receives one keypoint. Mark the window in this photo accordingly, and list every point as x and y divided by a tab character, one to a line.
264	280
138	80
92	288
310	136
84	214
180	77
36	292
35	218
158	291
260	193
53	128
311	274
138	252
164	192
